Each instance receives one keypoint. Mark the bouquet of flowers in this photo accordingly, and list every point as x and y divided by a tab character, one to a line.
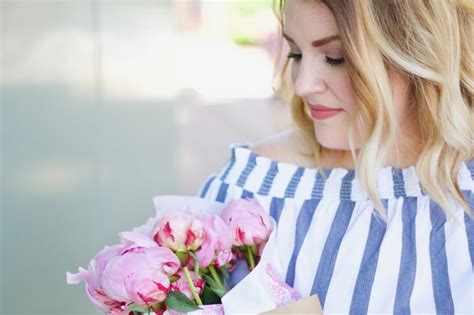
179	261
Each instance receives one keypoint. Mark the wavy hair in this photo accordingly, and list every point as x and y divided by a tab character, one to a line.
431	43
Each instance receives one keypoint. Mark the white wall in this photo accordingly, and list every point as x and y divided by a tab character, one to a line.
90	132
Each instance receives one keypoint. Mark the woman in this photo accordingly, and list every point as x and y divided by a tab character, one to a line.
372	191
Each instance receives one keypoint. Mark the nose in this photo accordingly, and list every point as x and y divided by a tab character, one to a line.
308	81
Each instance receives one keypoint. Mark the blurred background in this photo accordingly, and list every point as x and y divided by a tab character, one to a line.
106	104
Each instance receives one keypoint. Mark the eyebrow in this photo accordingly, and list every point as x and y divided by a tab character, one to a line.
316	43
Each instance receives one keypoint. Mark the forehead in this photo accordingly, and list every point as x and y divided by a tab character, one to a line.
309	16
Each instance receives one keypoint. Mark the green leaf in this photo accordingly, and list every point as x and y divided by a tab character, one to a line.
203	271
180	302
219	292
210	281
137	308
209	297
214	286
196	266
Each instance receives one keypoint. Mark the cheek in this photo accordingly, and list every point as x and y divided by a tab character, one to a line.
344	91
293	72
339	85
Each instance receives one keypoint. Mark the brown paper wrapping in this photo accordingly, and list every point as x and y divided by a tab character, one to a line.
309	305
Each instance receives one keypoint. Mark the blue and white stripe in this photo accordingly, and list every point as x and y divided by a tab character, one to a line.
332	244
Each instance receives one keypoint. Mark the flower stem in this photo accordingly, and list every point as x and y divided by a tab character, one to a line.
250	258
191	285
216	277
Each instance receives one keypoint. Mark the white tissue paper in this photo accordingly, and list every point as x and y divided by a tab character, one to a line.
263	289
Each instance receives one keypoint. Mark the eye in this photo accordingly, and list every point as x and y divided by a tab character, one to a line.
331	61
334	62
295	56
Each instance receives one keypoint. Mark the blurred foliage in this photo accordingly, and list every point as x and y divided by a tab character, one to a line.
250	21
243	40
246	7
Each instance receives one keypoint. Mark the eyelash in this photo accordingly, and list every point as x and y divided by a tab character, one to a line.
330	61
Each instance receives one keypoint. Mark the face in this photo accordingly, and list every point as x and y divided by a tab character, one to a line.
319	73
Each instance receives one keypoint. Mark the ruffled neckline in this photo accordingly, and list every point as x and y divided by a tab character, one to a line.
246	147
391	182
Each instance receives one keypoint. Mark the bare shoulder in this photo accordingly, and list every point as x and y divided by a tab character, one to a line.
287	146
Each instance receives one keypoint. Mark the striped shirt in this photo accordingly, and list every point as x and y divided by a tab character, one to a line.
419	262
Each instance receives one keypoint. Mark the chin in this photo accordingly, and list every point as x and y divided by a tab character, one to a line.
331	146
332	140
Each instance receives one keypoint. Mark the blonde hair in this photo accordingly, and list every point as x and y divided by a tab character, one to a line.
430	42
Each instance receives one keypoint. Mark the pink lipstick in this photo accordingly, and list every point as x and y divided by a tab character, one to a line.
319	111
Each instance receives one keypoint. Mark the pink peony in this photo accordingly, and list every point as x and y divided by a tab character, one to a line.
137	276
147	286
179	231
148	227
182	285
217	243
249	222
136	271
162	258
137	239
92	277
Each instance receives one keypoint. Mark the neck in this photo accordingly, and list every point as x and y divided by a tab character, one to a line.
409	149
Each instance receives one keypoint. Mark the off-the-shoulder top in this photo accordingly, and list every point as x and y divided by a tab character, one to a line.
332	244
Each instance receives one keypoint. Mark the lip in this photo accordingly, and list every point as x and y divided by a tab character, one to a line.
319	111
